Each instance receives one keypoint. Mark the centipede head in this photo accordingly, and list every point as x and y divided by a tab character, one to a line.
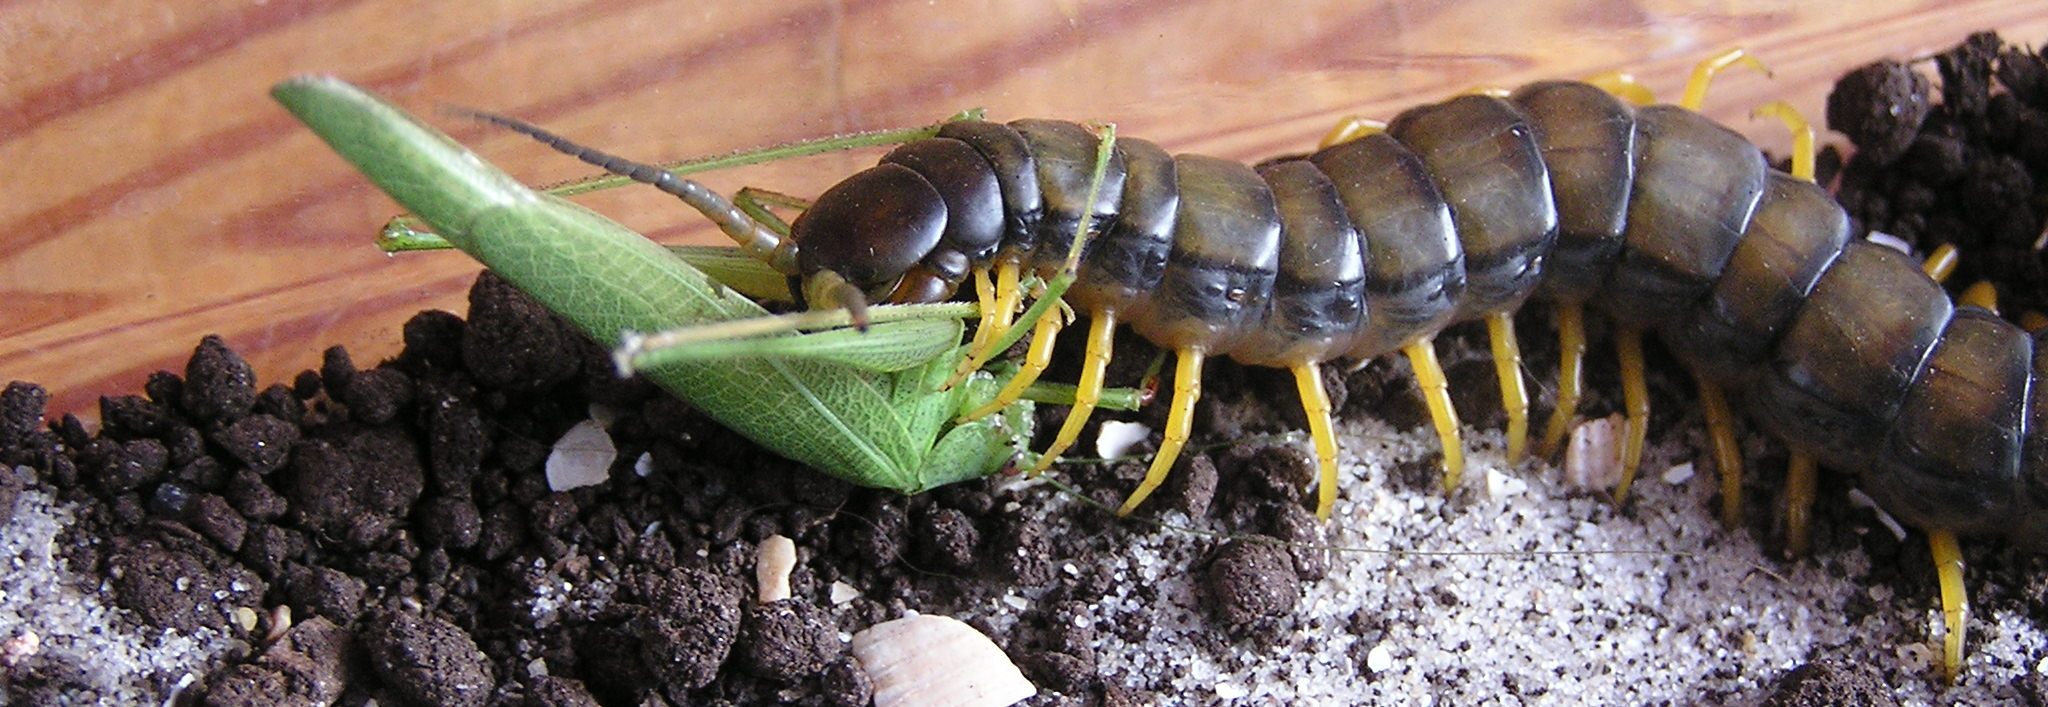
870	230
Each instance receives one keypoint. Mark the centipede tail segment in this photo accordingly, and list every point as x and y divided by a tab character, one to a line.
1560	192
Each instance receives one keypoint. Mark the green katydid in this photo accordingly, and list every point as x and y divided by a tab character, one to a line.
870	408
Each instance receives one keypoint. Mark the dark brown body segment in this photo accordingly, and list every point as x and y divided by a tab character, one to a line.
1226	250
1587	138
1483	157
1064	156
1124	264
1795	234
1696	185
1414	267
1016	172
1952	460
1841	372
1318	301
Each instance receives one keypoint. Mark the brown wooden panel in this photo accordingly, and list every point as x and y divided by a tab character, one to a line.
153	194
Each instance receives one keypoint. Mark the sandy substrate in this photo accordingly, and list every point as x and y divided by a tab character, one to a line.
1514	592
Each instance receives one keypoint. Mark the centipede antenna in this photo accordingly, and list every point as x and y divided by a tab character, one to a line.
1180	423
1571	357
1436	393
752	237
1095	363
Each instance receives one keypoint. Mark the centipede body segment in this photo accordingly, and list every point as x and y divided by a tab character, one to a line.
1655	217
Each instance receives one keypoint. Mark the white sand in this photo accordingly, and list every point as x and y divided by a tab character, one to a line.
115	660
1665	607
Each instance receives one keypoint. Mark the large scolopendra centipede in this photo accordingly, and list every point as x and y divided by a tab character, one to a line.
1561	192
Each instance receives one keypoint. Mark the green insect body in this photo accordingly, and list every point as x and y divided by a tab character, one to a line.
858	408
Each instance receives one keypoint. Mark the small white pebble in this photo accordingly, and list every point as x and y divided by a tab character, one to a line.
843	593
1016	602
1678	474
20	648
1117	437
2041	667
1231	691
643	466
582	457
537	668
1379	659
245	618
774	558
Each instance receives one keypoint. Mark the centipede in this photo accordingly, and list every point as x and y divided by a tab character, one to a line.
1578	196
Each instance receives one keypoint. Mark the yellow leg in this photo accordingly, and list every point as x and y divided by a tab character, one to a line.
1727	454
1941	263
1351	128
1624	86
2033	321
1035	360
1983	294
1571	356
1507	365
1008	294
1180	422
1436	392
1803	154
1703	74
1308	378
1635	394
1800	477
1101	338
1955	602
985	300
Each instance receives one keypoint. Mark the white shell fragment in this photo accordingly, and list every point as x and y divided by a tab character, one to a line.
1592	460
1117	437
582	457
773	560
937	661
1678	474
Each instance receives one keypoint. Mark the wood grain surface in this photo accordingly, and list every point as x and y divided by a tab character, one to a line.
150	192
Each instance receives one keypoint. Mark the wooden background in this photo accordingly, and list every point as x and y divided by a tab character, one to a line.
150	193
